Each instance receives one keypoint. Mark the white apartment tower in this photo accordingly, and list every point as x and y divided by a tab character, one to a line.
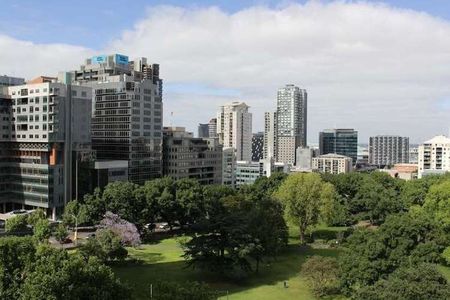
291	122
434	156
234	128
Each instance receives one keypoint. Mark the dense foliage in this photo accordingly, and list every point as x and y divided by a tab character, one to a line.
28	271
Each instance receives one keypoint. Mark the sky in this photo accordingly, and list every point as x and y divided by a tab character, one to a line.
378	67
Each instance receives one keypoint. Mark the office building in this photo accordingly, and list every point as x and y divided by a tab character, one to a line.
229	167
45	130
234	127
332	163
127	118
248	171
10	81
387	150
270	135
187	157
291	122
203	130
257	146
339	141
434	156
212	128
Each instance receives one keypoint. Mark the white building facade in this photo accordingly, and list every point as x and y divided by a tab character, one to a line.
434	156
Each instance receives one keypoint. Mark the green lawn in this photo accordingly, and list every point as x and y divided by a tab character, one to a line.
163	261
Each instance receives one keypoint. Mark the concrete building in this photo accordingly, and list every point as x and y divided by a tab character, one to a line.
45	129
388	150
332	163
270	135
304	158
212	128
291	122
127	112
402	171
229	167
434	156
203	130
187	157
234	127
339	141
414	155
257	146
248	171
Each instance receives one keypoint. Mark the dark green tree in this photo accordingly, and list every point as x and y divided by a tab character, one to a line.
166	290
16	256
421	282
57	275
17	224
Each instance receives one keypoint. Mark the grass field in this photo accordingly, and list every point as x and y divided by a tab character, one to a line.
163	261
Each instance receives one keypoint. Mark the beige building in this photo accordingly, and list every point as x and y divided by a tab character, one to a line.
234	128
187	157
332	163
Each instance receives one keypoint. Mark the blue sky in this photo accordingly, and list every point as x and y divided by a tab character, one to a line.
94	23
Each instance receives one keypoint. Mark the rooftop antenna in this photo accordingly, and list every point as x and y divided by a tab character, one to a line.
171	119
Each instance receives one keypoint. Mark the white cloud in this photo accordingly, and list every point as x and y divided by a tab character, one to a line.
368	66
26	59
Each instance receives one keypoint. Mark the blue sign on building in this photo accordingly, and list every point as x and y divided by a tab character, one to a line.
99	59
121	59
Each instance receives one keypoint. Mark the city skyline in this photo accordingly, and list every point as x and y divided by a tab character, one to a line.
367	80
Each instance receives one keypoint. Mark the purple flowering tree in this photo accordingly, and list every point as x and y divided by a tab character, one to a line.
127	231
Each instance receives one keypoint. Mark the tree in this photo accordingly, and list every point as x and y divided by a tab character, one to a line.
61	233
402	240
35	216
446	255
42	230
28	271
126	200
75	214
334	211
268	228
17	224
189	196
160	194
376	199
58	275
302	196
420	282
106	246
16	256
322	274
166	290
126	231
437	203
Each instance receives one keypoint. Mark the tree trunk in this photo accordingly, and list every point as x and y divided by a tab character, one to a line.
257	265
302	236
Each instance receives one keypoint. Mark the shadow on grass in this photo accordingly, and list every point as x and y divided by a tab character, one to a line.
272	271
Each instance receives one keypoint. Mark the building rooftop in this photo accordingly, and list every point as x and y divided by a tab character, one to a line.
439	139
